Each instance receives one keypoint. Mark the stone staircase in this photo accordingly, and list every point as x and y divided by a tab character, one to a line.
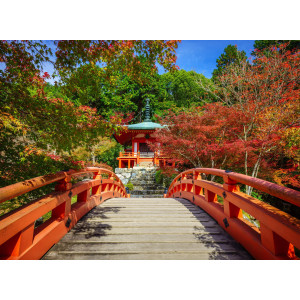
143	180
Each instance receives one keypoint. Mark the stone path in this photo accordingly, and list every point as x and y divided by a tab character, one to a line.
147	228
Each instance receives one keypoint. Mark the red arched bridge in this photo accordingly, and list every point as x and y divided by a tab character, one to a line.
188	223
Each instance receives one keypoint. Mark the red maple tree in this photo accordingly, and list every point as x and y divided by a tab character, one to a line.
245	132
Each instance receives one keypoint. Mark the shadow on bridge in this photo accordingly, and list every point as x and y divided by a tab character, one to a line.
217	238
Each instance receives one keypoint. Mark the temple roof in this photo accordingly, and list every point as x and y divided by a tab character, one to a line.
146	124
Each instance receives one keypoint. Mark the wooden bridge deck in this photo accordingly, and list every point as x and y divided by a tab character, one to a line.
147	228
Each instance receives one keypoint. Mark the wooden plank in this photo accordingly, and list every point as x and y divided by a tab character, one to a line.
152	247
147	238
131	213
110	223
143	218
108	230
145	256
147	229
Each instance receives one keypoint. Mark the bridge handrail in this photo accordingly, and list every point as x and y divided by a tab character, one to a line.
20	238
284	193
21	188
278	232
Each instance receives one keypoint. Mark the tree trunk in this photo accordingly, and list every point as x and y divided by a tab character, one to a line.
249	189
93	158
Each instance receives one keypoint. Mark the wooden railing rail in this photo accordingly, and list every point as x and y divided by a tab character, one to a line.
278	232
21	239
129	154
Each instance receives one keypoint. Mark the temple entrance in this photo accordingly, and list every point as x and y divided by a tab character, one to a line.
145	150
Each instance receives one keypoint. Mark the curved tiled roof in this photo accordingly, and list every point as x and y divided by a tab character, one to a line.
145	125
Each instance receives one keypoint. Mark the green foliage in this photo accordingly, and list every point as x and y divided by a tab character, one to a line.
230	56
255	194
110	156
185	89
130	186
55	91
30	163
159	177
87	86
164	178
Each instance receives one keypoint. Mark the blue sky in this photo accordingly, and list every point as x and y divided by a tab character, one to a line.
201	56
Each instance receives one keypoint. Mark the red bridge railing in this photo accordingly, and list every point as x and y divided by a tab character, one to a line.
20	239
278	233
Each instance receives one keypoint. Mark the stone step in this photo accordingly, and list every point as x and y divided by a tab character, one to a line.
144	178
139	183
146	196
148	187
147	192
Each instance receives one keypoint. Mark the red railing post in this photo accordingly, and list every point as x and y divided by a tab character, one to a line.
230	209
64	184
19	243
96	190
64	209
111	177
197	176
181	182
193	188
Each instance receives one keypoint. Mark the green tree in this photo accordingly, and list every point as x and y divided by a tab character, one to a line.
230	56
110	155
87	86
185	89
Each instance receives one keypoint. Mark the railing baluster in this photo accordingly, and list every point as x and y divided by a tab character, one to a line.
84	196
210	196
275	243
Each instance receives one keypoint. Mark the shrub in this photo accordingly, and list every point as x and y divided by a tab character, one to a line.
159	177
129	185
165	176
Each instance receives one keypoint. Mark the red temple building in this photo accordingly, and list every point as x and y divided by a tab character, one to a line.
134	140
